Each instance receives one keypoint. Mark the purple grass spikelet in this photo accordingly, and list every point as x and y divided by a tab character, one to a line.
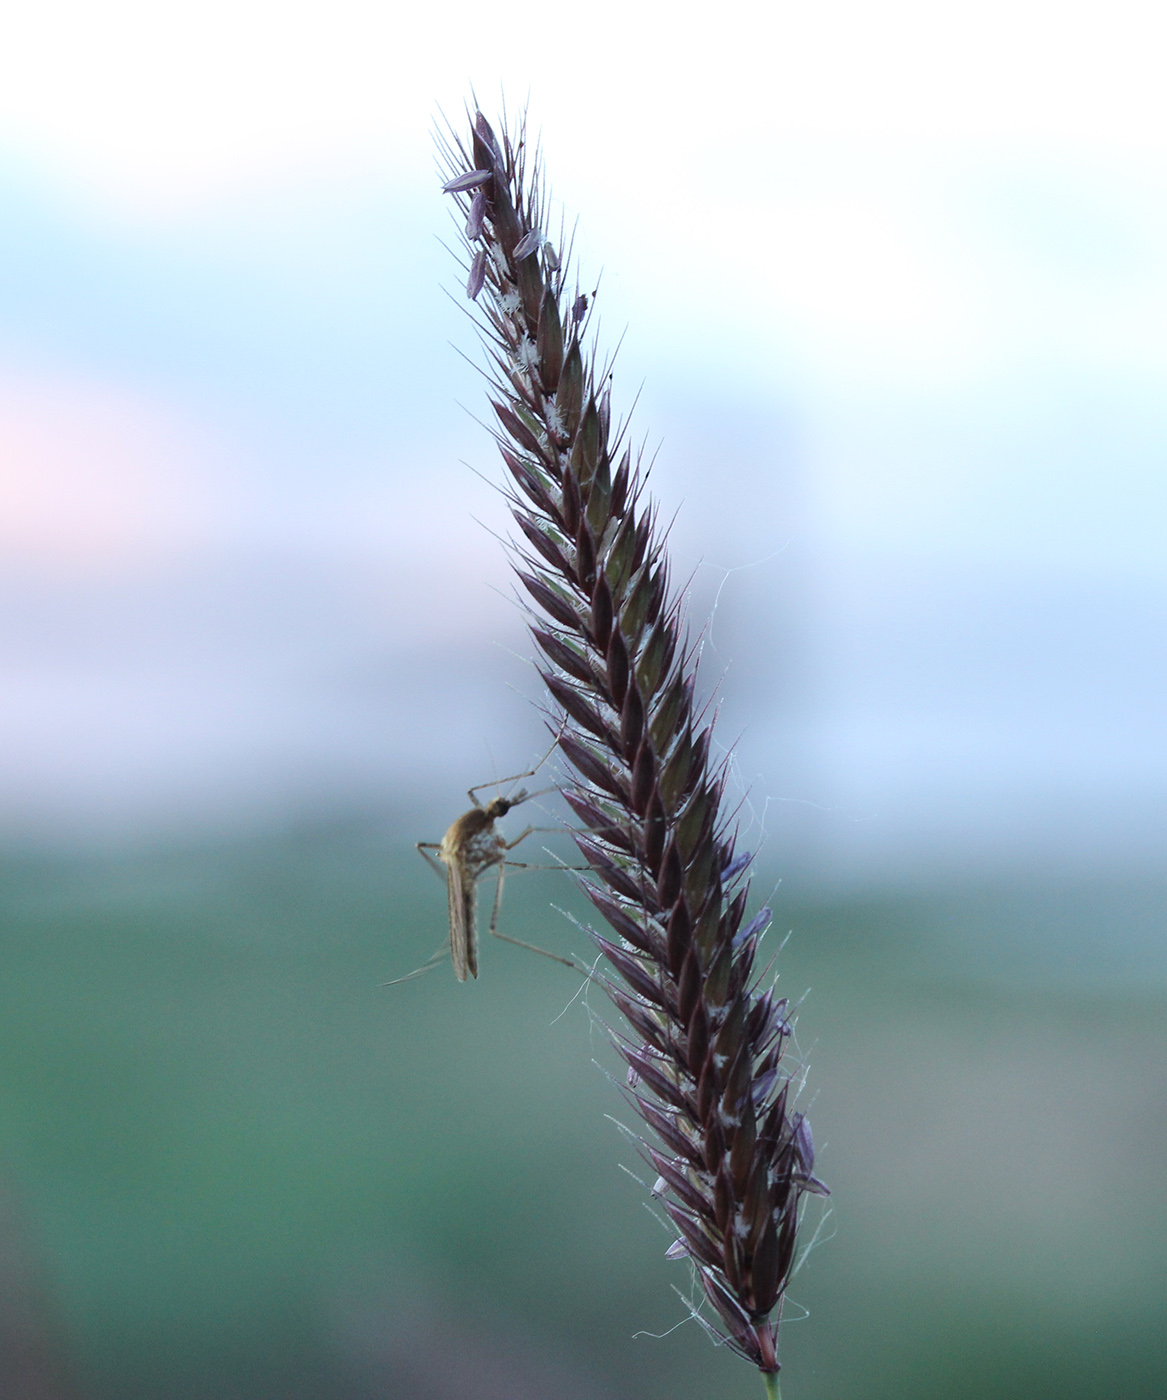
735	867
705	1037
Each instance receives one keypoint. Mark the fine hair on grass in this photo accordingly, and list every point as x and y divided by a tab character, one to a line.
705	1033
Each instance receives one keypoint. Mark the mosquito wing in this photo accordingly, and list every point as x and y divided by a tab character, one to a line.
463	921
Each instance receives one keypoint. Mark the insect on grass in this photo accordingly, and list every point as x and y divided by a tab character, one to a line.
471	847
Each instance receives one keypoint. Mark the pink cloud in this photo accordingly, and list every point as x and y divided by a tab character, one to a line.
95	478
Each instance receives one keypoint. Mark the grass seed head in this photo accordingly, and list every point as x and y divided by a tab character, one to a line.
705	1042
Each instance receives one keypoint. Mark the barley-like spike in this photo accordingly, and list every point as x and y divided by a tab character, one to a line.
707	1077
565	656
633	971
643	939
615	876
676	1177
542	542
552	604
649	1073
577	706
641	1017
599	822
590	766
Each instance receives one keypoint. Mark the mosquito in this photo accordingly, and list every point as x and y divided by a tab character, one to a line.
467	851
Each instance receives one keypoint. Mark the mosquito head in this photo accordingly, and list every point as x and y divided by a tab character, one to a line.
500	806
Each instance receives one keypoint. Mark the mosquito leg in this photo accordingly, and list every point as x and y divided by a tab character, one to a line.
522	836
525	865
424	847
518	942
521	796
472	793
426	966
497	900
531	948
514	778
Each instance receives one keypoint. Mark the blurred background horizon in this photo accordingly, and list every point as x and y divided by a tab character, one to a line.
899	356
890	287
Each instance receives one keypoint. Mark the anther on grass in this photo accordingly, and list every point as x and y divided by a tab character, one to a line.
477	275
469	180
476	217
528	244
705	1036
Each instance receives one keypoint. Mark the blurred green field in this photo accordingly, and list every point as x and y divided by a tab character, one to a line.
233	1165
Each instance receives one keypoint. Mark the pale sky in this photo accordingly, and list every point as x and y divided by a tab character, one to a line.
896	274
165	106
